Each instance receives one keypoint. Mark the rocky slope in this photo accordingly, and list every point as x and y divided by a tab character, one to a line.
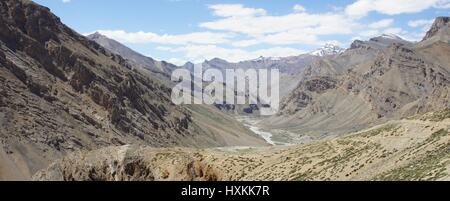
411	149
439	31
61	92
225	129
158	68
373	81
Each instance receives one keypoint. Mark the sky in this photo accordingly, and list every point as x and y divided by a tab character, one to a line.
178	31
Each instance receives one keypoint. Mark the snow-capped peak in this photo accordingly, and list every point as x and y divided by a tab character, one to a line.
391	36
328	49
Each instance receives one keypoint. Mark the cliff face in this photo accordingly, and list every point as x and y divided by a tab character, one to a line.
439	24
61	92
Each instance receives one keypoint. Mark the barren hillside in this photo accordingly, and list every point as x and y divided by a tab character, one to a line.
411	149
61	92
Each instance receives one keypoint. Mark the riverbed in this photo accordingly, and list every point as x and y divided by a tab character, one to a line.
252	124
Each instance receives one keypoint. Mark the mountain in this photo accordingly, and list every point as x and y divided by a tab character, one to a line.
290	68
381	42
327	50
62	92
439	27
439	32
262	59
227	131
372	82
161	68
71	109
190	66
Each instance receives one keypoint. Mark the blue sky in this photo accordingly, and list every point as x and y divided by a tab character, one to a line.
194	30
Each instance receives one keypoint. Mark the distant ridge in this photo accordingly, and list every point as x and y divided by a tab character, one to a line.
327	50
134	57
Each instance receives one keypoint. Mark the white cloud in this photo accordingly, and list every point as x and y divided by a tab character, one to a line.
291	37
362	8
66	1
376	32
235	10
422	26
295	28
199	53
164	48
327	23
176	61
182	39
393	30
370	33
236	27
282	38
414	36
381	24
419	23
359	8
299	8
240	27
245	43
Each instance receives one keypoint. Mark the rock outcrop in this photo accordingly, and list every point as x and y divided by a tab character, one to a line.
439	24
130	163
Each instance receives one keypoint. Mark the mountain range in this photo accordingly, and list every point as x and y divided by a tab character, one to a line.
373	81
76	107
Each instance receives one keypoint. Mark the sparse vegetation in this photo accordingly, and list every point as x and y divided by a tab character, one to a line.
438	116
384	129
429	167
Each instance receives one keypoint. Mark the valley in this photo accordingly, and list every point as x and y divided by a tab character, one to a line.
252	124
410	149
88	108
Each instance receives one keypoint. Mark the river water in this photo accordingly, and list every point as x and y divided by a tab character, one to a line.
251	123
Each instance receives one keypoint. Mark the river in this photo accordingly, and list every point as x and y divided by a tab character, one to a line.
251	123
